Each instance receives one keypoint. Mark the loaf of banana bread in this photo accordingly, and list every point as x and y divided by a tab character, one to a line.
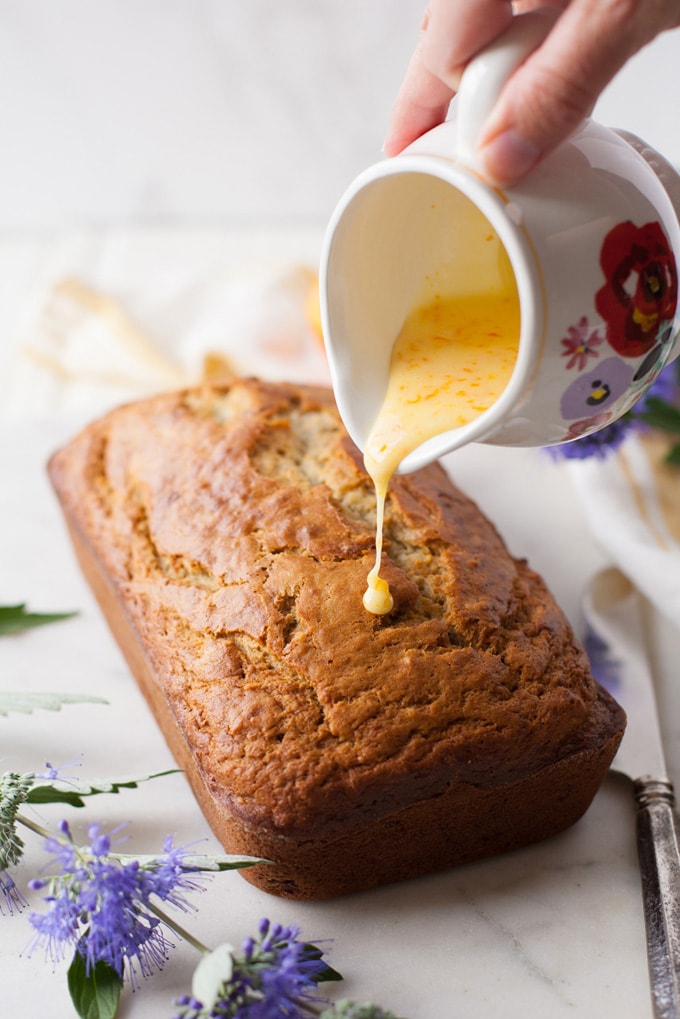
227	533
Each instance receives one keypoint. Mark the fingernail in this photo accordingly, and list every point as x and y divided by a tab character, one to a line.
508	157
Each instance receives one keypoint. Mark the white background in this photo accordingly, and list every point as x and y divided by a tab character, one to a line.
224	112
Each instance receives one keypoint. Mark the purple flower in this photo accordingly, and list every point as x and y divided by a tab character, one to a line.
604	666
273	977
101	903
54	774
598	444
171	879
13	899
63	849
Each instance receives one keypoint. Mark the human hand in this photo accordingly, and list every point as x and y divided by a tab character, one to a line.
547	97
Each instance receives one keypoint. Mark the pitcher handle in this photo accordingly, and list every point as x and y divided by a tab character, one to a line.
486	74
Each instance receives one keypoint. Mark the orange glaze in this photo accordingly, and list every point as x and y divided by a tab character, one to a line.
451	361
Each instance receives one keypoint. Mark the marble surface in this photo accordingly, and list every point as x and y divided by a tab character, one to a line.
554	930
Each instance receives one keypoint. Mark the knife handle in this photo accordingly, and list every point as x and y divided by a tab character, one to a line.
657	841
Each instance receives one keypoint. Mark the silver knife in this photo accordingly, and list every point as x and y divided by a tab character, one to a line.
616	646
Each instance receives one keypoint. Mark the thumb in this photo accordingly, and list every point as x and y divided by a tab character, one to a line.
536	112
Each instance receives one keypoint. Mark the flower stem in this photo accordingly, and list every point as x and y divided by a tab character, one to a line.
177	928
34	827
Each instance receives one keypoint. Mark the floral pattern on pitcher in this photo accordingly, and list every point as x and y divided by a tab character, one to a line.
580	344
597	390
641	289
636	306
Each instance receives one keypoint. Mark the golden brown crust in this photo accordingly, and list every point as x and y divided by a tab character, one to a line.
228	533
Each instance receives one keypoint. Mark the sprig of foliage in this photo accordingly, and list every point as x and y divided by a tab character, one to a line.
346	1009
25	703
103	906
274	974
74	791
31	788
108	909
16	618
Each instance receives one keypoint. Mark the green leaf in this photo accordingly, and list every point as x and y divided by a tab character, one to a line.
15	618
327	973
73	791
197	861
221	863
26	703
660	414
347	1009
214	970
95	995
673	456
51	794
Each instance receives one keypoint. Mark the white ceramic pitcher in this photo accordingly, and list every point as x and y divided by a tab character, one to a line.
592	237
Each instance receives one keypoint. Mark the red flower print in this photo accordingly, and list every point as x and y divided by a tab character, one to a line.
641	291
579	344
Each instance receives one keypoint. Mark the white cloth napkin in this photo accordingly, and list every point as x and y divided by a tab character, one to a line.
632	503
96	337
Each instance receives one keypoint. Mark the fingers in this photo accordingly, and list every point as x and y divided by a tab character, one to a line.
452	31
457	29
422	103
547	97
558	85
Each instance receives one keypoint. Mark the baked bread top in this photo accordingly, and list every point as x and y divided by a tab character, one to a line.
237	527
